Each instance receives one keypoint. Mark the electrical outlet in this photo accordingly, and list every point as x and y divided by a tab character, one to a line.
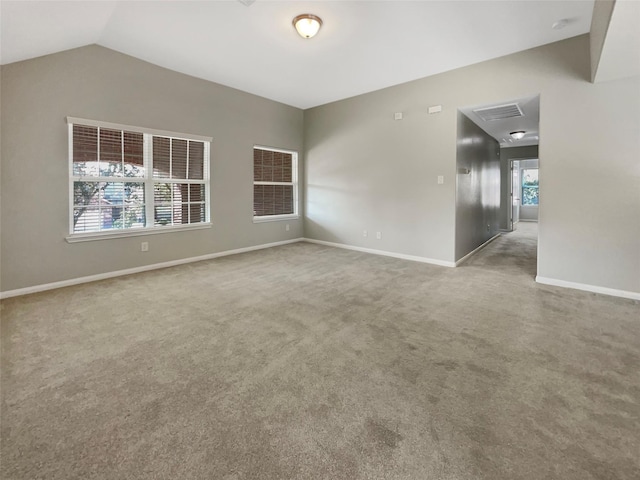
286	227
378	235
144	246
365	233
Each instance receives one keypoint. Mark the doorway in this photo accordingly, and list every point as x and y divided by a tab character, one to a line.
513	125
515	194
524	191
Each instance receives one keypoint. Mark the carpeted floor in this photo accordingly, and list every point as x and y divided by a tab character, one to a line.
309	362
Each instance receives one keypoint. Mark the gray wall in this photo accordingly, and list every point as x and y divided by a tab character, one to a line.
478	191
100	84
506	155
602	12
365	170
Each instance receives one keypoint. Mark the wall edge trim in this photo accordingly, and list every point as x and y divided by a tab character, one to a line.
588	288
145	268
475	250
413	258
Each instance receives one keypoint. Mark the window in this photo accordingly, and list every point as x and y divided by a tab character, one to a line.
530	186
275	184
126	179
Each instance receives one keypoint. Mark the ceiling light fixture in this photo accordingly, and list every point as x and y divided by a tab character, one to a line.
307	24
517	135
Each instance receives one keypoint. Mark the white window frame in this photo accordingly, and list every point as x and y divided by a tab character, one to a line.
294	183
148	181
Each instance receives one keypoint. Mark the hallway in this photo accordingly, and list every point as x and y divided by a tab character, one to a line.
513	252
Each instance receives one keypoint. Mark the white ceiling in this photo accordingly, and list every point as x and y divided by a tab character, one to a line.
500	129
362	46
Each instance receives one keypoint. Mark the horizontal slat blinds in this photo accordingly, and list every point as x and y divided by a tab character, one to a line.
161	157
269	166
114	172
133	149
178	202
179	159
85	144
272	200
106	152
196	160
274	182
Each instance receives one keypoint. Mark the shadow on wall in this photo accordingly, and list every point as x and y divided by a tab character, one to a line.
319	215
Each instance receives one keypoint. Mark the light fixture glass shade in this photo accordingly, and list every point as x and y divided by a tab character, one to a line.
307	24
517	135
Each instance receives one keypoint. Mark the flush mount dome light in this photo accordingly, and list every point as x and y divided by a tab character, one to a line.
307	25
517	135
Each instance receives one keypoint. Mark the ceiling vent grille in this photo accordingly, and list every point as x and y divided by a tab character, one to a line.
499	112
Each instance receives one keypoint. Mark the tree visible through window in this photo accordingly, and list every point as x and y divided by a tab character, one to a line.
530	186
108	179
125	179
275	182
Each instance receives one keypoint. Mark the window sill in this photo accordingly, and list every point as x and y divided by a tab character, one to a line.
275	218
88	237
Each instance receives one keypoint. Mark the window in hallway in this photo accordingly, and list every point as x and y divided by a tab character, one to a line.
530	186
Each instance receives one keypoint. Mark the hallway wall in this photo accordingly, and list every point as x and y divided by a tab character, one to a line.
477	187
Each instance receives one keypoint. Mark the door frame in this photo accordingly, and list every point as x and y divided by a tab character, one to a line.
512	205
510	222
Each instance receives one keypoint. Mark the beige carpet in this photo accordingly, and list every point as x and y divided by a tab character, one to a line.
308	362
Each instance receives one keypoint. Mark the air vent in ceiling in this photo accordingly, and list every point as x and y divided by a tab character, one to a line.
499	112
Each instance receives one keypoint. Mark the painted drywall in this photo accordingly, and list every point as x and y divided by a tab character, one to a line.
100	84
478	187
365	170
616	40
506	155
600	20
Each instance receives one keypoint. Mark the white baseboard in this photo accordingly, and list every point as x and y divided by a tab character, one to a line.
476	249
413	258
588	288
144	268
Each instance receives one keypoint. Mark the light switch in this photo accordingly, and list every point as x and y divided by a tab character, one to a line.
440	179
397	115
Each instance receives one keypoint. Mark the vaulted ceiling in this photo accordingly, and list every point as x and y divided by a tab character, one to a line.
362	46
